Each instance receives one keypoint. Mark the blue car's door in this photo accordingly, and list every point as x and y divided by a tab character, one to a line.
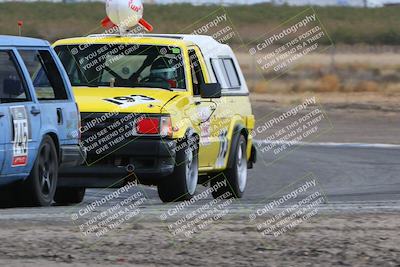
58	109
21	124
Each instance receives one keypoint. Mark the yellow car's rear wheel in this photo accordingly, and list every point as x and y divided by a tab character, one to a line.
235	176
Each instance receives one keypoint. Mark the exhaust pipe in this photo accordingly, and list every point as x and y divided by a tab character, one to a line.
130	168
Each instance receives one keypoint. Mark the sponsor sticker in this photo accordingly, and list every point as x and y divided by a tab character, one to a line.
20	136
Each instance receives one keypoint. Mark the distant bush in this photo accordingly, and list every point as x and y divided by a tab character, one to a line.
329	83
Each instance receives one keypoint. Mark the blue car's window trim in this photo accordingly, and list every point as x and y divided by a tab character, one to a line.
21	75
65	94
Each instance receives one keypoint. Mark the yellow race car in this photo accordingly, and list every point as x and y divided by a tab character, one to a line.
166	110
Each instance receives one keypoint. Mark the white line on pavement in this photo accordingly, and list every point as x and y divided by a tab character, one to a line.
330	144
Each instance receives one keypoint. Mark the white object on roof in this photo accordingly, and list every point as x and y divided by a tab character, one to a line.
124	13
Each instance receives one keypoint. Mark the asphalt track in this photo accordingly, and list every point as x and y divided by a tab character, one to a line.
350	176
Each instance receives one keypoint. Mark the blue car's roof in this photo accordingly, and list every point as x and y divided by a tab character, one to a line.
9	40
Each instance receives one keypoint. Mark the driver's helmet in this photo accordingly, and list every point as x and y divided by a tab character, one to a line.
164	68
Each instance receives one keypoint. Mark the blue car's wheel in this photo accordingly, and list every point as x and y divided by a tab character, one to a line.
40	187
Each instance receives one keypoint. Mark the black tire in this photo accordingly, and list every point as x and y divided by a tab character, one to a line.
175	188
40	186
69	195
234	183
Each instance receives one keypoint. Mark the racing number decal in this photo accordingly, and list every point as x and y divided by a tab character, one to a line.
223	148
204	114
132	100
20	136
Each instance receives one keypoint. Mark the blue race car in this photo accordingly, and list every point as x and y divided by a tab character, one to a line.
39	122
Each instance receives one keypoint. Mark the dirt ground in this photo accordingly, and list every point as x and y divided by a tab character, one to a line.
339	237
349	239
355	117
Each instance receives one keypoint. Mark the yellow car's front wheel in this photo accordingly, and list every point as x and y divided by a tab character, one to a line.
181	184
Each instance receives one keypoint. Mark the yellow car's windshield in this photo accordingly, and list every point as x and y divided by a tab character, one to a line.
122	65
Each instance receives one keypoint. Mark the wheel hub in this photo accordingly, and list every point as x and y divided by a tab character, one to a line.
241	167
191	171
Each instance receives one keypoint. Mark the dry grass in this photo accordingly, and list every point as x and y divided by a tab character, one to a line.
362	60
393	88
359	72
366	86
260	87
379	99
305	85
340	60
329	83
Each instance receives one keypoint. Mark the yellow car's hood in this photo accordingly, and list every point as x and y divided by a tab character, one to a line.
125	100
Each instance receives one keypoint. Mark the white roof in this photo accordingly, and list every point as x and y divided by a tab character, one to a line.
208	45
